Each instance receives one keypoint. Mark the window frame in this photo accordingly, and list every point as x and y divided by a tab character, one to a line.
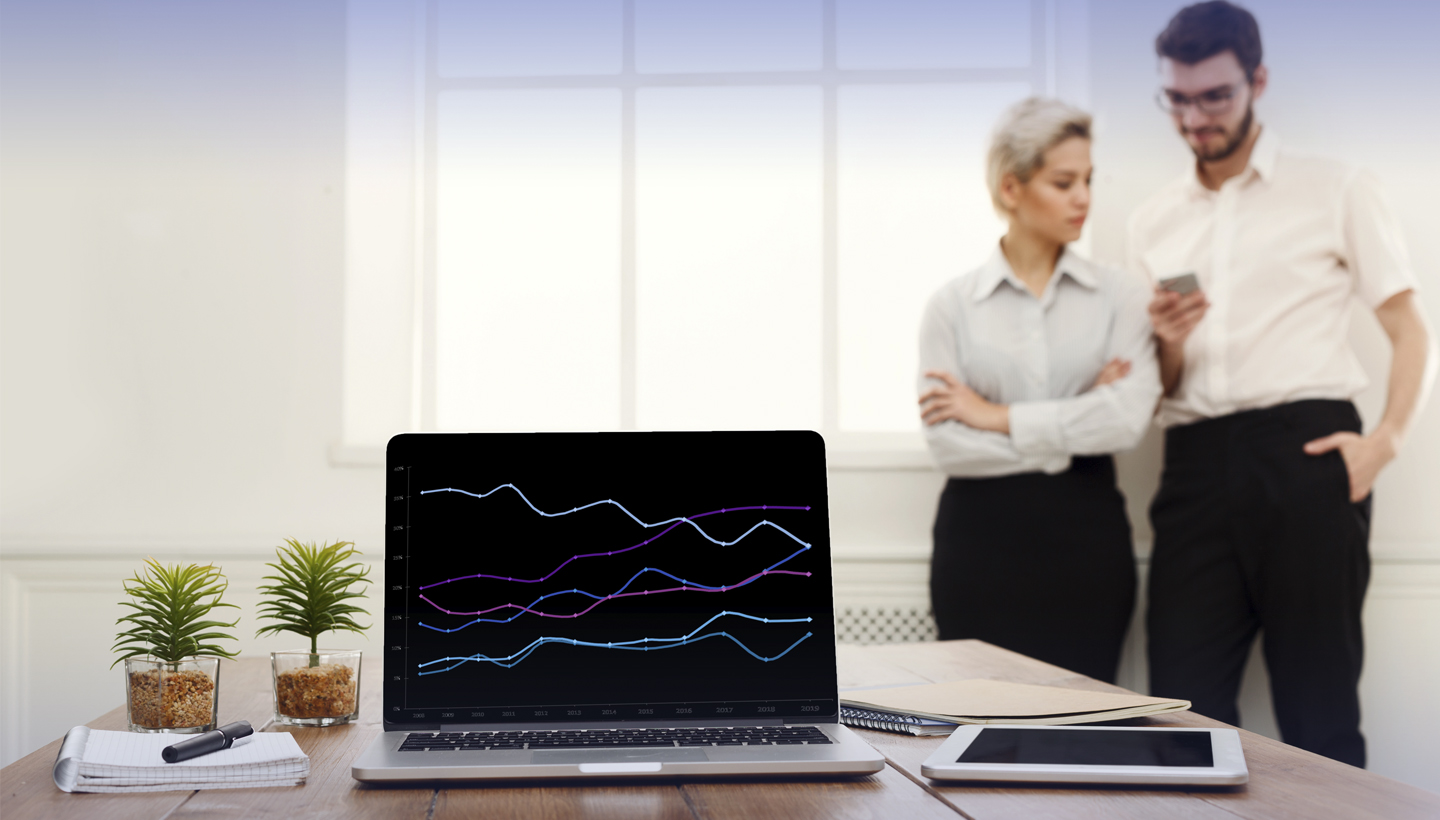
403	395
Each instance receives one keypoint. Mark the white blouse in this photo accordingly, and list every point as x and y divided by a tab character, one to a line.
1041	356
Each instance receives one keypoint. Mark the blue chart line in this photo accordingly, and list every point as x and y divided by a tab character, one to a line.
637	645
686	586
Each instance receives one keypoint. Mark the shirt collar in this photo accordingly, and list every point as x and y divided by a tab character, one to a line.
1072	265
997	270
1265	154
1263	158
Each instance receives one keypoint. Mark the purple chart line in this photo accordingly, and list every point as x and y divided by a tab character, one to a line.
688	586
673	522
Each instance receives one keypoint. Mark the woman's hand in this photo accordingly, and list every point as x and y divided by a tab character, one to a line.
1113	371
955	401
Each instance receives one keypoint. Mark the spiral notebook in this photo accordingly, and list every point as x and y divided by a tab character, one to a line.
94	760
894	722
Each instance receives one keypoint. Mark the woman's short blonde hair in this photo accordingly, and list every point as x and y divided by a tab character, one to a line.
1024	134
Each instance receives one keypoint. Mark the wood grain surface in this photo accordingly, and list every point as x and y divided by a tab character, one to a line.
1284	782
27	789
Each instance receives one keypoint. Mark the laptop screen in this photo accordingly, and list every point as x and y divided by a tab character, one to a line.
593	577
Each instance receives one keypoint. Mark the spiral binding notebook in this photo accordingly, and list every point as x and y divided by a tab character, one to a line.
94	760
894	722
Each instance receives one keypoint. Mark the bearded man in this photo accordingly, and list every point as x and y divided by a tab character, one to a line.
1262	518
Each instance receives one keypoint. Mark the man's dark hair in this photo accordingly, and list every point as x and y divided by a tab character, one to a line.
1203	30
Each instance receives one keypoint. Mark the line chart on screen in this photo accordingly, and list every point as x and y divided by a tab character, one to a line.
519	568
608	576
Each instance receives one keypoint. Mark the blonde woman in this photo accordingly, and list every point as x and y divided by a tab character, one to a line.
1035	367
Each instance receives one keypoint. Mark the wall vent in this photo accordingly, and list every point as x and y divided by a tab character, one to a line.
883	624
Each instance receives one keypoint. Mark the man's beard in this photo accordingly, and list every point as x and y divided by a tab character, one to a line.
1233	144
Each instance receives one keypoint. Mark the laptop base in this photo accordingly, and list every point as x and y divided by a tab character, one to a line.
383	761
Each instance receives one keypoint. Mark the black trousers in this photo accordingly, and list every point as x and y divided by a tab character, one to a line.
1039	564
1253	534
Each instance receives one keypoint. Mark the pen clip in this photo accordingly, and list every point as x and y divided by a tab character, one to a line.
239	731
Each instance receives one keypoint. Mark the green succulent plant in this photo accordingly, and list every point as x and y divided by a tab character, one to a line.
169	603
310	592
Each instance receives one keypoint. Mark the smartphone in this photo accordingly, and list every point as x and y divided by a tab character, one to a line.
1182	284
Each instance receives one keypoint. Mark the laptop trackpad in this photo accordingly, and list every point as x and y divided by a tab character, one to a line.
620	756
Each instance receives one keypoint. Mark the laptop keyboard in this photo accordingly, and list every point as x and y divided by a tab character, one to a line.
615	738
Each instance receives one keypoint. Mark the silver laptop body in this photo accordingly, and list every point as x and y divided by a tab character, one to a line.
563	605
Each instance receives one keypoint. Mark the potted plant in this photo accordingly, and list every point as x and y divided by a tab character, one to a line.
309	597
172	674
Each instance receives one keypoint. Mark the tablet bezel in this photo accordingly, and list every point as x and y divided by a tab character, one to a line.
1229	768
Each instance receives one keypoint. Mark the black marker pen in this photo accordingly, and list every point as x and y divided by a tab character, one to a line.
226	737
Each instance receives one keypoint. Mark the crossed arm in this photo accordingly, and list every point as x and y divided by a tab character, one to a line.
972	436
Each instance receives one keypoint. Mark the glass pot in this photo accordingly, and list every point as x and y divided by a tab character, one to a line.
316	688
172	696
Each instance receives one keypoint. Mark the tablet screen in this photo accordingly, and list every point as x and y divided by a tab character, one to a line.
1090	747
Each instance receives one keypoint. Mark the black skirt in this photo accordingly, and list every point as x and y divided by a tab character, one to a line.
1038	564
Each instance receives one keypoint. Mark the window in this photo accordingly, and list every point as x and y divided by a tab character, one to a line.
672	214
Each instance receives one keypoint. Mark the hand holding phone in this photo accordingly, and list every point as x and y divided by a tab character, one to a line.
1177	308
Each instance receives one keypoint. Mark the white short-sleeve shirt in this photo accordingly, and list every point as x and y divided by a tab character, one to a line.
1280	251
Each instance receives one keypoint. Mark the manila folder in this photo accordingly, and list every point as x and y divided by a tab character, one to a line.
993	701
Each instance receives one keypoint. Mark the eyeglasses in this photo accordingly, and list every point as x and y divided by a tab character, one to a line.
1214	102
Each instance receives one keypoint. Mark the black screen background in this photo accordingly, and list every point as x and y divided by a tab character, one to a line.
1090	747
432	537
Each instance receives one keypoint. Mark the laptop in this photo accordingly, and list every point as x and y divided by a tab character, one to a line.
580	605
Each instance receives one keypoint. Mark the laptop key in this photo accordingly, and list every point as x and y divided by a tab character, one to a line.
615	738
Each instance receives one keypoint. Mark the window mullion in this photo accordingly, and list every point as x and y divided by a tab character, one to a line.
429	338
830	301
628	338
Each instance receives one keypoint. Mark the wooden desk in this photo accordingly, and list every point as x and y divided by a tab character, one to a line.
1284	782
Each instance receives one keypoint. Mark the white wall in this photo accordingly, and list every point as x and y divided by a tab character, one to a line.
171	274
171	287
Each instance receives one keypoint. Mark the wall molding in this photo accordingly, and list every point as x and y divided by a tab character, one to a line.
14	689
1384	551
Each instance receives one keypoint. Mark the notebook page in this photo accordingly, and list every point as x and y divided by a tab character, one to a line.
116	786
67	763
116	752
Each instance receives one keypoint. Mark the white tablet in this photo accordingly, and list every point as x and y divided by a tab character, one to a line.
1090	754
